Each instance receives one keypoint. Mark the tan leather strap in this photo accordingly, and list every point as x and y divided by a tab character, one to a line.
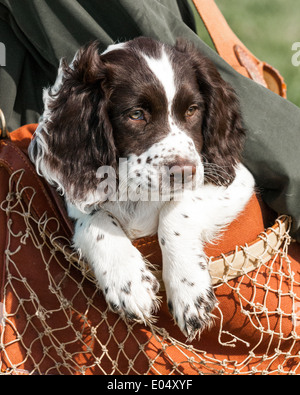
234	52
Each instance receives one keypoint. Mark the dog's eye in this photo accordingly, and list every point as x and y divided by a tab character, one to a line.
137	115
191	110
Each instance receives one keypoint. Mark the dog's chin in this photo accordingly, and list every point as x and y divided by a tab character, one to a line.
178	190
161	191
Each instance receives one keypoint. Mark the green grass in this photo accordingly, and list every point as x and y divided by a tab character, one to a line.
268	28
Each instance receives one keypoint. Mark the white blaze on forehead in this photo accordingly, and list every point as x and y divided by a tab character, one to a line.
114	47
163	70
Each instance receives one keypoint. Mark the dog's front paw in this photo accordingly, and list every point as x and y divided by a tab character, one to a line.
191	305
131	292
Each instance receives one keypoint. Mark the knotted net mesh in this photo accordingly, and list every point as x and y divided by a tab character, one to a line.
54	320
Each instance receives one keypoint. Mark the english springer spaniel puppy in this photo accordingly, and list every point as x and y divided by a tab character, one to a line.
145	112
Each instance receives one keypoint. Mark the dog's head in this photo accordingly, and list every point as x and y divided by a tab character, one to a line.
159	107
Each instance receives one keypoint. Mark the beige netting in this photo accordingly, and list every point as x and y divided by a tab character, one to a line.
54	320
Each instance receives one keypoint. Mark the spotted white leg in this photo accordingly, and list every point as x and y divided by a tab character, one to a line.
184	228
185	273
121	272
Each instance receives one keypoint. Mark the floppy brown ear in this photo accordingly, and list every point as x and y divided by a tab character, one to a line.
75	136
222	129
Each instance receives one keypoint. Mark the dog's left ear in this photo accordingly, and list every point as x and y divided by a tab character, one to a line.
222	129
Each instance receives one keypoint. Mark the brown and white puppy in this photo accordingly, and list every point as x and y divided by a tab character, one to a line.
145	138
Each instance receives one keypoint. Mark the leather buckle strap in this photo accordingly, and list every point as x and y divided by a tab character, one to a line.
234	52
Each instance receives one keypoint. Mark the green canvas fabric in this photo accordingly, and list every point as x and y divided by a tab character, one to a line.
37	33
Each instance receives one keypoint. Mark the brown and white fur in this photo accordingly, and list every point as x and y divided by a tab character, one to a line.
157	106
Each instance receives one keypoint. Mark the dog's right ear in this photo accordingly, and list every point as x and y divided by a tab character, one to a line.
75	136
